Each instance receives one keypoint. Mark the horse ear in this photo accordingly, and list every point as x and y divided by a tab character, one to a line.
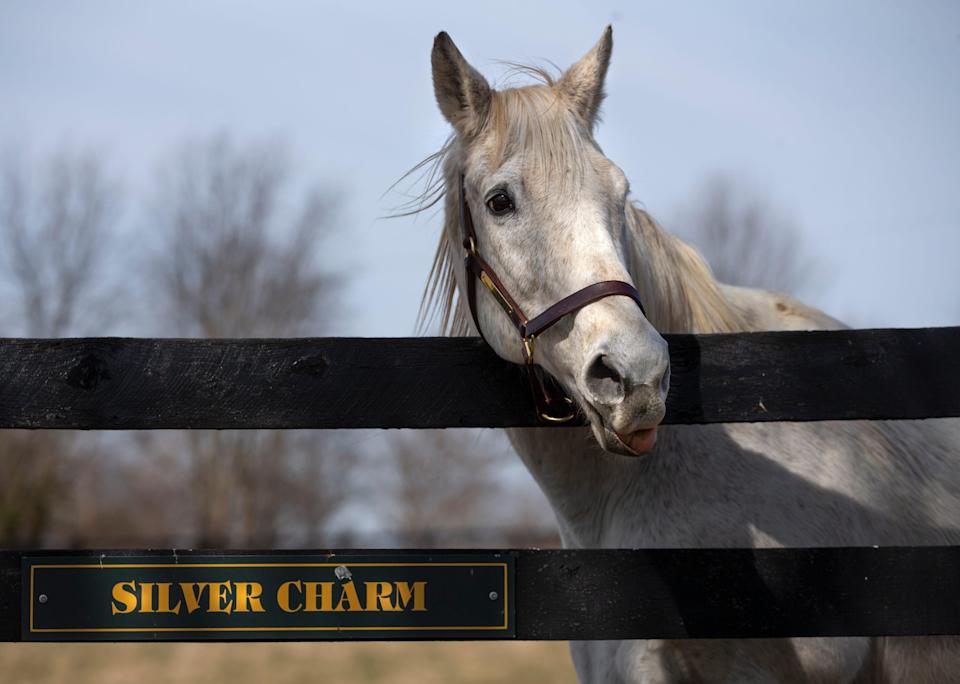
461	92
582	84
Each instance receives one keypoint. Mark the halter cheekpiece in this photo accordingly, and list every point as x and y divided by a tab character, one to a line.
552	404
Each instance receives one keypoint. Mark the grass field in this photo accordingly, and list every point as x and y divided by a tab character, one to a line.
287	663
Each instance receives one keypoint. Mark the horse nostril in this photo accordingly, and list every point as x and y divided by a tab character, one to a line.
604	381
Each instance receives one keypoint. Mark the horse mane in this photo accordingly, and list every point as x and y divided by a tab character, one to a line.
679	290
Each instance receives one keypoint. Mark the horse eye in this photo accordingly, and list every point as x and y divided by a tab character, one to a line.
500	204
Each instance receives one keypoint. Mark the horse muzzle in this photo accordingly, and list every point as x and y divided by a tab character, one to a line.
625	396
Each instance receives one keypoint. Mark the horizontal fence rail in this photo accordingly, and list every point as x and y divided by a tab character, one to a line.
576	594
115	383
119	383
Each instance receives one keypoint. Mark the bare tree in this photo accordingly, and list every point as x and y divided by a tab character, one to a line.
56	220
237	259
745	239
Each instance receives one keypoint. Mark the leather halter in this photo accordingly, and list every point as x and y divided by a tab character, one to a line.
553	406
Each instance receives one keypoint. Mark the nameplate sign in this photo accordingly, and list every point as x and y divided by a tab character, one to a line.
274	597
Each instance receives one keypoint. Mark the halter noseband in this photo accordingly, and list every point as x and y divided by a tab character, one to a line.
553	406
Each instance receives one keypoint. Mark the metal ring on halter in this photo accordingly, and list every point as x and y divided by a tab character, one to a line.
560	419
544	402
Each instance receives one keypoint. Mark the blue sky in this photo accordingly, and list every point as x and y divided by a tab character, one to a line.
847	115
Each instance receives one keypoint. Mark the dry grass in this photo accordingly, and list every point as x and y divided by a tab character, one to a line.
287	663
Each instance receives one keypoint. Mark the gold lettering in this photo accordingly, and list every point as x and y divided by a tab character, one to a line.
146	597
418	592
378	596
321	590
192	593
283	597
348	596
220	593
124	598
247	597
163	599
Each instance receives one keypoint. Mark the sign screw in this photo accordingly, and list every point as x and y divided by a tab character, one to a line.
42	598
494	596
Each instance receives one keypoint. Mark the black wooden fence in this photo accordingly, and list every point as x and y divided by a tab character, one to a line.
114	383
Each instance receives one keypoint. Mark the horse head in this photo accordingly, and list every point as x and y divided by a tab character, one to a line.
547	219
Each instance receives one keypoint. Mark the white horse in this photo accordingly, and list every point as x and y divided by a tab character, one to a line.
552	215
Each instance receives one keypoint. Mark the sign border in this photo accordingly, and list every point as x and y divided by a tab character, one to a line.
37	562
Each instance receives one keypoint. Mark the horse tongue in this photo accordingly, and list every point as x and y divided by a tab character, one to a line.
641	441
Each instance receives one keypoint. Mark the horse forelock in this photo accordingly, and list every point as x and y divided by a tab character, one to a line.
534	124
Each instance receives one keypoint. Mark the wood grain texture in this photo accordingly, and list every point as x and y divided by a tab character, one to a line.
685	593
118	383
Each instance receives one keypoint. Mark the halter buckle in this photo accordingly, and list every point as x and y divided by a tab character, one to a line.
529	347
